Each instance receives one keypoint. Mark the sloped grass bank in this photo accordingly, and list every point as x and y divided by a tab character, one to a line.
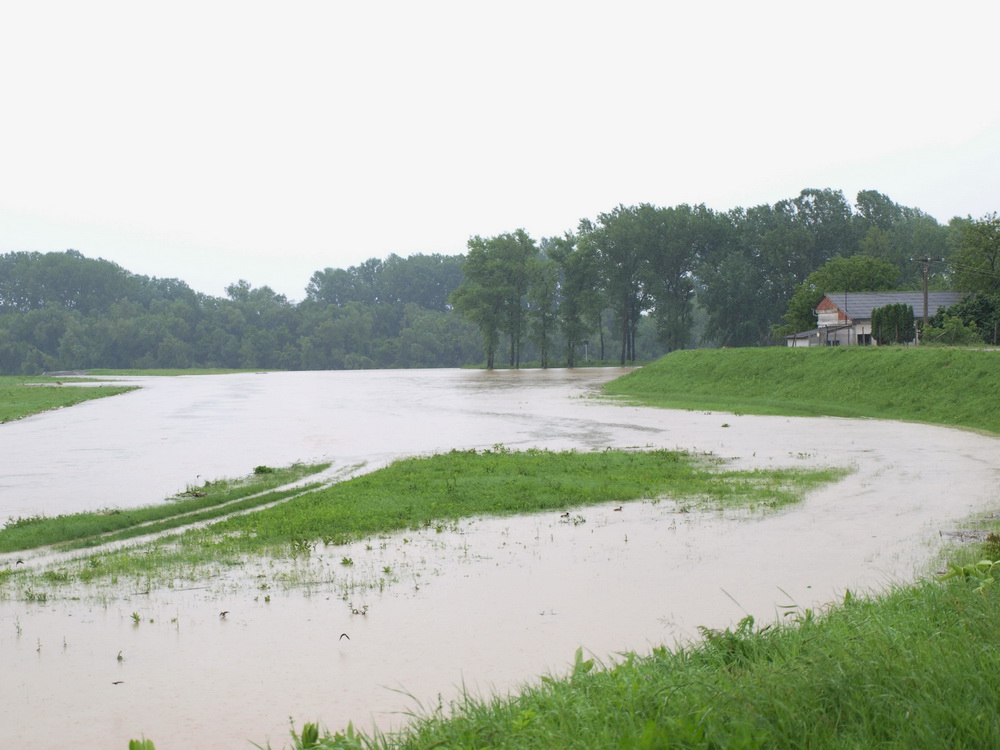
23	396
917	667
955	387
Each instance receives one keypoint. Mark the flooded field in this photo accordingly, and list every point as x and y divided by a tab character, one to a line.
485	603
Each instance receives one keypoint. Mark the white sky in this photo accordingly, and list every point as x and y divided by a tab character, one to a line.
214	141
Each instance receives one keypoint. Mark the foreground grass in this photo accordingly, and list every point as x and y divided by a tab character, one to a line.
917	667
944	386
23	396
418	493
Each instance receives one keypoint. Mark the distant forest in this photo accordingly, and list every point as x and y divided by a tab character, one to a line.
632	284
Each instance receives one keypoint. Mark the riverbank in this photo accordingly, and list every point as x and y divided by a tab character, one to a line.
955	387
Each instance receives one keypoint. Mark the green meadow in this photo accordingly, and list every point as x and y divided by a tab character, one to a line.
22	396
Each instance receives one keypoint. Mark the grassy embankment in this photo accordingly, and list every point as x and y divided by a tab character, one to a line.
955	387
23	396
915	667
413	493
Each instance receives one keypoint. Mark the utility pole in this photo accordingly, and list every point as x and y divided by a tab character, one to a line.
926	262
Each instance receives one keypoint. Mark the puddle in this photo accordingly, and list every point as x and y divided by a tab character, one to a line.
485	603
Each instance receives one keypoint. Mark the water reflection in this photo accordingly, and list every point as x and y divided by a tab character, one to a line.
488	603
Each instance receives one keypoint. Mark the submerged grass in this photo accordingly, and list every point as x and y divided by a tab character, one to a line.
208	500
422	492
944	386
23	396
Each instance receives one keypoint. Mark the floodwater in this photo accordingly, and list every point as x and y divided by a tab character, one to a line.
487	604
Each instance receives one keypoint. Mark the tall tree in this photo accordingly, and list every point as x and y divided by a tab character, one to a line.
542	298
581	296
496	277
977	259
618	241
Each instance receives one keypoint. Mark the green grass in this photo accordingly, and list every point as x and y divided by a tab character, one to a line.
23	396
943	386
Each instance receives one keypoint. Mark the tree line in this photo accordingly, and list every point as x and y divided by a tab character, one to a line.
694	276
62	311
631	284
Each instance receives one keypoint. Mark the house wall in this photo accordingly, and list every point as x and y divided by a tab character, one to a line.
797	342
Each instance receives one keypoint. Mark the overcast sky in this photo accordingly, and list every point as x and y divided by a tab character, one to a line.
218	141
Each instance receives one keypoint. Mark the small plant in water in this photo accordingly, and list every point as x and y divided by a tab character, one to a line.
136	618
346	561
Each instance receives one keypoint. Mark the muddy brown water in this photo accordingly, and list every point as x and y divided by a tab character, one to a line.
487	604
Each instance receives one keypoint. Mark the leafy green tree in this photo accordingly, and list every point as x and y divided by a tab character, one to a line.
542	297
676	239
951	330
618	242
899	235
496	277
732	296
424	280
977	260
580	294
978	311
827	217
876	210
